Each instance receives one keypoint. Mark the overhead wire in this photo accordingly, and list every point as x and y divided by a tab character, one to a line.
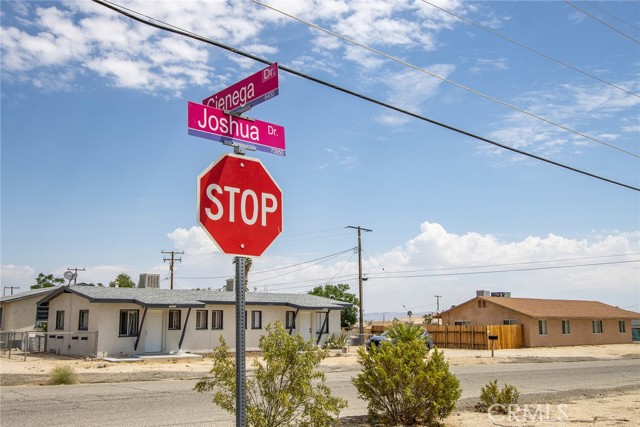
449	81
537	52
592	4
602	22
170	28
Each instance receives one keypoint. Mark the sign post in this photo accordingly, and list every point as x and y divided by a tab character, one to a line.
241	369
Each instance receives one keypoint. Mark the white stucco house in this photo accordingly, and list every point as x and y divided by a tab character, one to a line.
19	312
114	322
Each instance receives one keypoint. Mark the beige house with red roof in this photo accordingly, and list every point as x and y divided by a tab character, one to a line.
547	322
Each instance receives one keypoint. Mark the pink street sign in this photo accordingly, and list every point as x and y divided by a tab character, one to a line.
253	90
212	123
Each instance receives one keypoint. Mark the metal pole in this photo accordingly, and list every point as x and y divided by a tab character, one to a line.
241	374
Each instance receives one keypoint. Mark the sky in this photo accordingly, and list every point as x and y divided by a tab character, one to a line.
99	172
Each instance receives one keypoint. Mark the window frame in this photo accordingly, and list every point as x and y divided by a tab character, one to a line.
543	327
199	319
83	320
59	320
600	327
565	326
509	321
320	322
214	319
175	316
132	328
256	315
622	327
290	319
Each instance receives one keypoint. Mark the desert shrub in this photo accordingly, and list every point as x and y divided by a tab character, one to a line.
496	400
336	341
405	385
284	390
63	374
399	331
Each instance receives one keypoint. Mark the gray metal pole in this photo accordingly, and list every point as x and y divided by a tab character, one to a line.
241	373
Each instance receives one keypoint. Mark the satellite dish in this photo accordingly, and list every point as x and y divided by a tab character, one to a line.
70	275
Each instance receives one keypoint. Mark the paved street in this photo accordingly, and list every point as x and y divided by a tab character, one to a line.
174	403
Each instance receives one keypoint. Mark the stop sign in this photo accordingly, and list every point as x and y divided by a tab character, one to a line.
239	205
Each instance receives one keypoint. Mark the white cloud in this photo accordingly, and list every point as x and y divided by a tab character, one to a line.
18	275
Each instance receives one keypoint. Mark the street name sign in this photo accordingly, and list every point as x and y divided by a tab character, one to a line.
239	205
251	91
212	123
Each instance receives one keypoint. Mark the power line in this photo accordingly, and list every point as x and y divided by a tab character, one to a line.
468	273
172	260
446	80
612	15
509	264
170	28
602	22
522	45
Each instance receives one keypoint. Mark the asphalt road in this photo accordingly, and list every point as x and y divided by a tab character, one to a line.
174	403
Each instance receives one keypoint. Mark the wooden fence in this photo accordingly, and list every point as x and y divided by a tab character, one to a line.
476	336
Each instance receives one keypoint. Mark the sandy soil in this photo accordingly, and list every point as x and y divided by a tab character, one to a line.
589	408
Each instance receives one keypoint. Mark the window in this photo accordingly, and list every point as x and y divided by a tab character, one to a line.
597	326
42	314
128	323
322	322
542	327
482	304
256	320
216	319
461	322
622	328
60	319
174	319
83	320
509	322
290	320
202	318
566	328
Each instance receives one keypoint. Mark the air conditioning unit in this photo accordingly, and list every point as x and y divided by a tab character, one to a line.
483	293
149	281
501	294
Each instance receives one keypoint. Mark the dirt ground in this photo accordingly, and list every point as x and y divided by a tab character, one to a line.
587	408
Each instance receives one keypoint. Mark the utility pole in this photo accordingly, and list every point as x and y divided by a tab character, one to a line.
173	259
10	287
360	317
438	302
75	276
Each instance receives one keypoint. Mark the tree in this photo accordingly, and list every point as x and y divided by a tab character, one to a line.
47	281
404	384
285	389
122	280
340	292
247	267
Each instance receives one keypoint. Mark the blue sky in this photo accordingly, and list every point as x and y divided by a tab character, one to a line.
98	170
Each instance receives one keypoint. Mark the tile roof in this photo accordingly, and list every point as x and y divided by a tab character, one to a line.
147	297
556	308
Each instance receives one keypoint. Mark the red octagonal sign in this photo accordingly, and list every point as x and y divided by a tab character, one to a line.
239	205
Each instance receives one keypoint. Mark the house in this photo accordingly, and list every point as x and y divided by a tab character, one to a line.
86	320
546	322
20	313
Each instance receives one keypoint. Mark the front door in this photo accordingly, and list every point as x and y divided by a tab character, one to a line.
153	333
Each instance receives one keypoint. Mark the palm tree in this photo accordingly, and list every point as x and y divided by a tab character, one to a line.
247	267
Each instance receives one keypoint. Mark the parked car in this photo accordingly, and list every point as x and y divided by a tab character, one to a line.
376	340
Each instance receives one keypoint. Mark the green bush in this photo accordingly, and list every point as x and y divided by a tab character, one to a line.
284	390
63	374
495	400
405	385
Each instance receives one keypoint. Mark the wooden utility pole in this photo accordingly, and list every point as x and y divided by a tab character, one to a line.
438	302
172	260
9	287
361	313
